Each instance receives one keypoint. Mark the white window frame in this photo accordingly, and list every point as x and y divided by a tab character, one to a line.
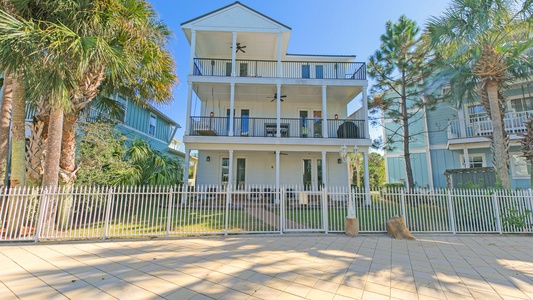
152	116
470	155
513	166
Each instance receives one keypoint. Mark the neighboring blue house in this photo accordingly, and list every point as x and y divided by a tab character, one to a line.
149	124
452	140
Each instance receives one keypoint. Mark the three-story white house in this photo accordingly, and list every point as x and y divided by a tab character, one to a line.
264	116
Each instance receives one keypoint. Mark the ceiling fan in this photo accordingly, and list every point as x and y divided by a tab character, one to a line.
276	96
239	47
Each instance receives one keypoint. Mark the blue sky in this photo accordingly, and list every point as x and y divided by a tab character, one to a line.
351	27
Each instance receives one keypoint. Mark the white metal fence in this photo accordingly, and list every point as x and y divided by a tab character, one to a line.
34	213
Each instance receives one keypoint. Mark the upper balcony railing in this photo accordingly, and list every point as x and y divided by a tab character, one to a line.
289	69
267	127
513	123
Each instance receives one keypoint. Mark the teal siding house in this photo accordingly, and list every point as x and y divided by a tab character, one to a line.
453	144
150	124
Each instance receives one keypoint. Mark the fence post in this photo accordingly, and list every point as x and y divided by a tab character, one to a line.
228	199
402	199
497	211
169	211
451	212
282	203
42	210
107	213
325	209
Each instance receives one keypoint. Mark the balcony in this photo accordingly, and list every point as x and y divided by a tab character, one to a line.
513	122
267	127
289	69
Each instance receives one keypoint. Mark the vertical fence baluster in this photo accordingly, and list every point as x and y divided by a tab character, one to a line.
107	213
169	210
497	212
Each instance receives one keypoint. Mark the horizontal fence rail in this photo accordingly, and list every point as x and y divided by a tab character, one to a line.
67	213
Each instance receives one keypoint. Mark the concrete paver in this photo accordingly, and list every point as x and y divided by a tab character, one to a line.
272	267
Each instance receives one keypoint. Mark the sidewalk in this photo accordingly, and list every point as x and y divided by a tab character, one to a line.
273	266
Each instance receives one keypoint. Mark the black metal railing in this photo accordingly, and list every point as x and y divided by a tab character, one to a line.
267	127
289	69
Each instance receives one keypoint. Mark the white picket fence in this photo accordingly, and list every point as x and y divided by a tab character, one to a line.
66	213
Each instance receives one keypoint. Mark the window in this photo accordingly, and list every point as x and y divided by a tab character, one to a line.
477	113
520	166
306	71
521	104
476	160
225	171
153	122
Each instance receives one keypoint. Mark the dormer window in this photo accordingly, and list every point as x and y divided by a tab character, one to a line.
153	123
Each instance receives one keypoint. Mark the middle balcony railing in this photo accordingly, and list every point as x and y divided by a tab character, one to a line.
267	127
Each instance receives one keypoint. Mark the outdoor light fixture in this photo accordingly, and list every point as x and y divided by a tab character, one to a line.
208	159
336	116
211	114
339	161
345	155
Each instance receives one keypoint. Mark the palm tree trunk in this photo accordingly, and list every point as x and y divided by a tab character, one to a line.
5	130
500	154
53	148
18	141
68	148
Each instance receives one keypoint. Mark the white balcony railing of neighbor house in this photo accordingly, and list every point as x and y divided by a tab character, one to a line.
290	69
90	115
513	122
267	127
70	213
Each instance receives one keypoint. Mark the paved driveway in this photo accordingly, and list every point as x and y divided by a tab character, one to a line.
270	267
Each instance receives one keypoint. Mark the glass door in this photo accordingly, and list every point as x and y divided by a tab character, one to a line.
317	123
304	127
241	173
307	174
224	176
312	174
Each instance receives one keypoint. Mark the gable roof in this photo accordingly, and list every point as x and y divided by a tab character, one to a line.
236	3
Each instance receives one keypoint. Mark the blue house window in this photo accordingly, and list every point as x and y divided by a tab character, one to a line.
306	71
153	122
319	72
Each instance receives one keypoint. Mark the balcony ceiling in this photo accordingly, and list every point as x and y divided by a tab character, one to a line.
264	93
217	44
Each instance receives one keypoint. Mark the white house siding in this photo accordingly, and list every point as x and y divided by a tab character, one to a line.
261	167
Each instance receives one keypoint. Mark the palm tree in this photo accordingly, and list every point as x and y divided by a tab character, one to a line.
5	126
485	44
84	43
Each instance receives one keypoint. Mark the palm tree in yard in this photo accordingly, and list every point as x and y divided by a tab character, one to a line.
484	45
84	46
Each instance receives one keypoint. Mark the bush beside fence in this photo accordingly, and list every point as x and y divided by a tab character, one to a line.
67	213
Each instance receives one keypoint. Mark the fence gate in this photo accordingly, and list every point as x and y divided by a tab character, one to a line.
304	211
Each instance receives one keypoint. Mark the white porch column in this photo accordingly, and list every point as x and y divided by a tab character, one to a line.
231	108
192	52
188	112
278	110
367	179
466	158
186	167
462	122
279	73
233	52
324	112
365	109
324	169
277	175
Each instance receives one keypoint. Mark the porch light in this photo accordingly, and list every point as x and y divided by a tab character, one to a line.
211	114
208	159
339	161
336	116
345	155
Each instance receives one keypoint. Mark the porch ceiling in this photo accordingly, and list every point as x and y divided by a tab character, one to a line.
217	44
264	93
